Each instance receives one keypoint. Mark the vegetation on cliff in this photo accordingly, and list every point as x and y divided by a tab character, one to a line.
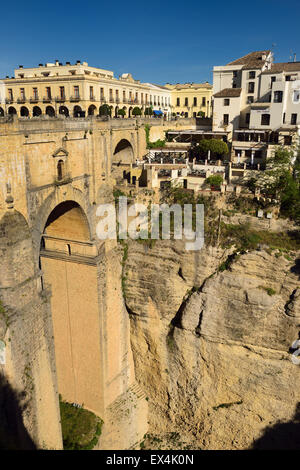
81	428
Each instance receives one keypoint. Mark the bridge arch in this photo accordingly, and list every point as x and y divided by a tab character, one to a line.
68	264
123	152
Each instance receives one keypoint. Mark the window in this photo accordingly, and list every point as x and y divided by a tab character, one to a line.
178	102
102	93
234	85
288	78
35	93
60	170
248	118
250	99
234	74
62	92
294	118
195	101
10	94
91	93
22	93
225	119
251	74
265	119
278	96
76	91
186	101
287	140
283	118
48	93
226	101
273	79
203	101
296	96
251	86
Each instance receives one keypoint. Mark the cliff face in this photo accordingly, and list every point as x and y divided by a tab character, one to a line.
211	347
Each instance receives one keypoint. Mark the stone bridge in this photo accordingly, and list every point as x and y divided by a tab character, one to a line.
62	314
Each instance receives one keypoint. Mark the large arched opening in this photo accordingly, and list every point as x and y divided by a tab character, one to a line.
11	110
67	260
123	152
24	112
92	109
77	111
50	111
63	110
36	111
1	112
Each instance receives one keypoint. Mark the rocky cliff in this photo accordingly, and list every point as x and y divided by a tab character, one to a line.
212	344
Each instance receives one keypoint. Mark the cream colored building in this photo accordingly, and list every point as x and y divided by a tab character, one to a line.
189	99
77	90
257	102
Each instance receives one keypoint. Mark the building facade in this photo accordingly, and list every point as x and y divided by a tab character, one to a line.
257	102
191	99
77	90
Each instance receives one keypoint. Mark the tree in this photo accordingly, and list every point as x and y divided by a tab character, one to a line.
136	111
122	112
281	181
214	180
148	111
201	114
105	110
216	146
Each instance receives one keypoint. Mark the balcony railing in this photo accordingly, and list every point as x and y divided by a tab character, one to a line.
75	98
102	99
21	100
34	99
60	99
92	98
47	99
9	100
117	100
111	99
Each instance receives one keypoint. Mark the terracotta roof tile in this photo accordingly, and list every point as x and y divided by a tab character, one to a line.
283	67
228	93
252	60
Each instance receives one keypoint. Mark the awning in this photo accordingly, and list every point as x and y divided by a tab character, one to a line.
158	113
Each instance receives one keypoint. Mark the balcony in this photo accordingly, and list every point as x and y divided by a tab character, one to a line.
111	99
117	100
34	99
102	99
125	100
47	99
9	100
60	99
75	98
21	100
92	98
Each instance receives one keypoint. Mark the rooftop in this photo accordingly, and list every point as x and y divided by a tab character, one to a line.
228	93
283	67
253	59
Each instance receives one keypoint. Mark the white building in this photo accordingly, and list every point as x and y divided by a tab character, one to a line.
258	103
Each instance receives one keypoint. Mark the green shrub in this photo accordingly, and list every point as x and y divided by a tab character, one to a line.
80	428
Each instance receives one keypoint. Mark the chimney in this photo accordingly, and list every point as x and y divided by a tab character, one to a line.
20	66
68	63
77	62
56	62
40	65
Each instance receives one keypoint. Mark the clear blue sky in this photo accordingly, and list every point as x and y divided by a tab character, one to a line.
157	41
